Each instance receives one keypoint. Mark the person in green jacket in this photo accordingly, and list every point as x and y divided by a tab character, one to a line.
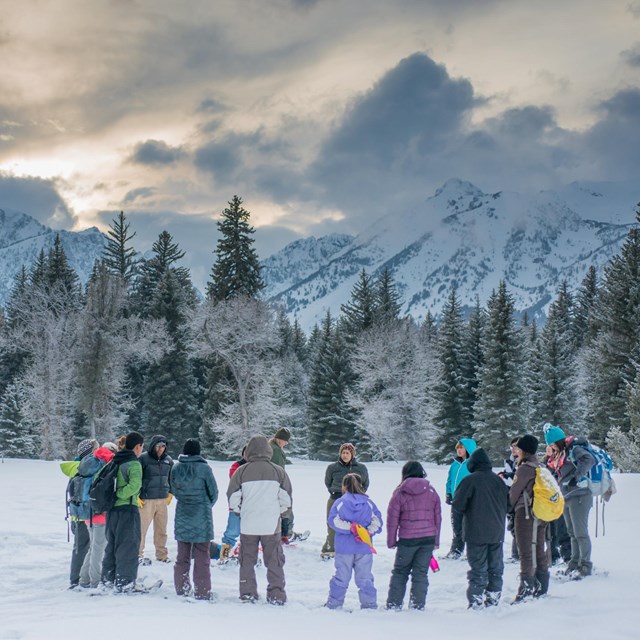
279	441
120	563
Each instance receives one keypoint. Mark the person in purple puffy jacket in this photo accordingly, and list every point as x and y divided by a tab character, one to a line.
413	528
353	549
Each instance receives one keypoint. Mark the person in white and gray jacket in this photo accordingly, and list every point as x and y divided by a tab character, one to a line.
260	493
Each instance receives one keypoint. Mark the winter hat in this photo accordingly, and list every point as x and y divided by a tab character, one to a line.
349	447
86	447
283	434
552	434
529	444
112	446
191	447
413	469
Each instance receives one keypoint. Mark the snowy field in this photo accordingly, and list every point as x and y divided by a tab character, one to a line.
34	568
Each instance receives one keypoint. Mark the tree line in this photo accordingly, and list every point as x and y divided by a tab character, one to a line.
138	348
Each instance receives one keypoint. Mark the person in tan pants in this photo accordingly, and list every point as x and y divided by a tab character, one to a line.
154	498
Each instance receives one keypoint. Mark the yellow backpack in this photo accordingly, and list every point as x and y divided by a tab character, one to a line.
548	502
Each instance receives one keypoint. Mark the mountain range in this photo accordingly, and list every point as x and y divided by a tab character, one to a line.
464	238
459	237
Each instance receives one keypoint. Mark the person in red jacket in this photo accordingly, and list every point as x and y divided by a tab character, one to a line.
413	528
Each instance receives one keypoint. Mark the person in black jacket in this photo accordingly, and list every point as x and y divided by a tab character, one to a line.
483	499
333	477
154	497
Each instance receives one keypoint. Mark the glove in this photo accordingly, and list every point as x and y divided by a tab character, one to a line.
448	499
284	528
169	498
583	483
74	526
140	502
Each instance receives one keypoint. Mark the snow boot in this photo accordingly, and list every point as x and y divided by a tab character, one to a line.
585	568
225	551
476	602
491	598
526	589
542	584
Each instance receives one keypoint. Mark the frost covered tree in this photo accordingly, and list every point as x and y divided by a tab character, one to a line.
236	271
17	438
501	394
242	333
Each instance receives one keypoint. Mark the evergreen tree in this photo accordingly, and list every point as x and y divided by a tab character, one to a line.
236	271
119	255
60	272
499	415
584	327
330	419
612	355
17	439
624	447
450	389
359	313
471	364
387	299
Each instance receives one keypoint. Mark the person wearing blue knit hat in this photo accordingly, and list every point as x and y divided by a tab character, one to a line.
552	434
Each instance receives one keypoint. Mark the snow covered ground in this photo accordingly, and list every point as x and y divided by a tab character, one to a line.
35	602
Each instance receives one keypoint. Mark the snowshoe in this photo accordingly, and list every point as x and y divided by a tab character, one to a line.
299	537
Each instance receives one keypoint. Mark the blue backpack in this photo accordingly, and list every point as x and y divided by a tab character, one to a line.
78	501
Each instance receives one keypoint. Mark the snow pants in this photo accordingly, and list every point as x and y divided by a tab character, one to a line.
120	563
530	536
411	560
486	566
329	543
232	532
360	564
457	544
199	551
273	557
91	571
576	515
80	549
155	511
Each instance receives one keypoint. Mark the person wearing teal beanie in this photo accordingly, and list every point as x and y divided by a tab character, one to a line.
552	434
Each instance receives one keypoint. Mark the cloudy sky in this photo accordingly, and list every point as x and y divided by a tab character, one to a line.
321	114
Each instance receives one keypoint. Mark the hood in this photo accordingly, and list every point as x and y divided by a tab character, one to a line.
415	486
469	444
479	460
89	465
70	467
104	454
185	458
154	441
258	448
356	508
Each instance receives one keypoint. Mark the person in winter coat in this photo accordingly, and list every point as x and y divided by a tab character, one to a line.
120	563
413	528
483	499
333	477
232	531
557	537
507	474
154	497
279	441
529	531
91	570
457	471
353	552
196	491
572	462
260	493
81	539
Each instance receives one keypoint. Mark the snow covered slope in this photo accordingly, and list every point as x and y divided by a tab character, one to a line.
22	238
465	238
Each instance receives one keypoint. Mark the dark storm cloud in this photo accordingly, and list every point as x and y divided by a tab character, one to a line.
156	152
614	141
36	197
632	56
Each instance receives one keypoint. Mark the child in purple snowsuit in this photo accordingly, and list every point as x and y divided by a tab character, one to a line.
353	555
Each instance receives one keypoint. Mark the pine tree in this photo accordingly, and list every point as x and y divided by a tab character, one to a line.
450	388
359	313
499	415
17	439
584	327
330	419
119	256
471	364
236	271
387	299
612	356
60	272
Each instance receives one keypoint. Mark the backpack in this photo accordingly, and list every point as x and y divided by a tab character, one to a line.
102	493
78	496
548	502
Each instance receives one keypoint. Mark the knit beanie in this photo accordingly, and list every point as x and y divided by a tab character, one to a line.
191	447
529	444
552	434
349	447
86	447
112	446
283	434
